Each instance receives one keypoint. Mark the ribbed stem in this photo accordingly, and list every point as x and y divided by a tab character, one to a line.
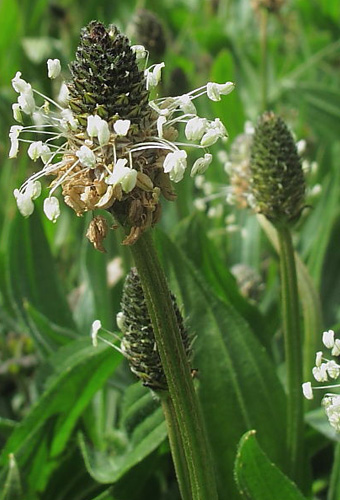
177	449
293	352
264	58
176	368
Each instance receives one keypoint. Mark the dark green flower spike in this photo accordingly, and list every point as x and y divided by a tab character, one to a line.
138	342
105	77
277	183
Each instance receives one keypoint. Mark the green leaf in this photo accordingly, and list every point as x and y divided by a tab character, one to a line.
141	431
238	386
257	477
31	272
10	28
47	335
80	370
206	258
320	105
12	488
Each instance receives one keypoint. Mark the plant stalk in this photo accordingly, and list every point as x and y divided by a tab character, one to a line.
293	352
177	449
177	371
264	58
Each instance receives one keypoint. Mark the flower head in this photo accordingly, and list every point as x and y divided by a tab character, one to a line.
105	143
327	370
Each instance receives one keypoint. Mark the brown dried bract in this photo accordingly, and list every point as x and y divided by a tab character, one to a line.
97	232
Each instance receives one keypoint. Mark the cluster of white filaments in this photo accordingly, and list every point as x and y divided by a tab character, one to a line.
69	151
324	371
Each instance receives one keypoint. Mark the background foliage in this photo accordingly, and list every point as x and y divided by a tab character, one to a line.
73	421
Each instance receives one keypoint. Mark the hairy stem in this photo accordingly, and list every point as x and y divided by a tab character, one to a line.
264	58
177	371
293	352
177	449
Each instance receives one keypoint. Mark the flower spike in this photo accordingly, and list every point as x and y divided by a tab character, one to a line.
105	143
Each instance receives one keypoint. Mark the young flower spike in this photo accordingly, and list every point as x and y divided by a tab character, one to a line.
106	144
323	371
277	181
138	341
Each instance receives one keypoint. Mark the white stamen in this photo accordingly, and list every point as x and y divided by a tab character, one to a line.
328	339
26	102
64	94
307	390
175	164
103	132
14	138
161	120
318	359
140	51
24	203
336	348
186	105
214	90
201	165
17	112
96	326
153	76
53	68
121	127
33	189
19	84
68	119
320	373
195	128
51	208
120	320
86	157
123	175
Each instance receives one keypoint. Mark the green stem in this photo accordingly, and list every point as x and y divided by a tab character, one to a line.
177	449
293	352
176	368
264	58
